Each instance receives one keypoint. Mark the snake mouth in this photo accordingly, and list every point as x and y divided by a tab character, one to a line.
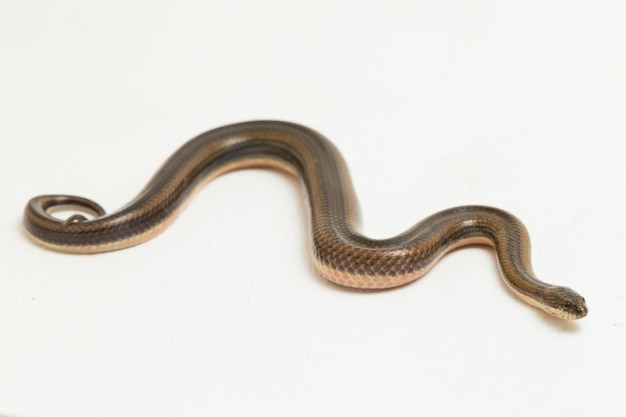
578	311
575	314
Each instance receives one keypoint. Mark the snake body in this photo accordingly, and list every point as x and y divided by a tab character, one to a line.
341	254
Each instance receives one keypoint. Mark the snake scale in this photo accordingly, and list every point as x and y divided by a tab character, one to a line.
340	253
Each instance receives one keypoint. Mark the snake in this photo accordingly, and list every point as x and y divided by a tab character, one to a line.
340	253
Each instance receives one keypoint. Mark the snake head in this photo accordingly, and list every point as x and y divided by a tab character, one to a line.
564	303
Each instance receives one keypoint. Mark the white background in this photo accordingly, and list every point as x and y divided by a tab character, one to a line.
519	105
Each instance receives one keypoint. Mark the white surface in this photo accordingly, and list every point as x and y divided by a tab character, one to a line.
519	105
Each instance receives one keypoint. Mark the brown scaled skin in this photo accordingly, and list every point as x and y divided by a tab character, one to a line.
341	253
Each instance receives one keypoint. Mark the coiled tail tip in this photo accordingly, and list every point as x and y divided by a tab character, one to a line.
59	233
